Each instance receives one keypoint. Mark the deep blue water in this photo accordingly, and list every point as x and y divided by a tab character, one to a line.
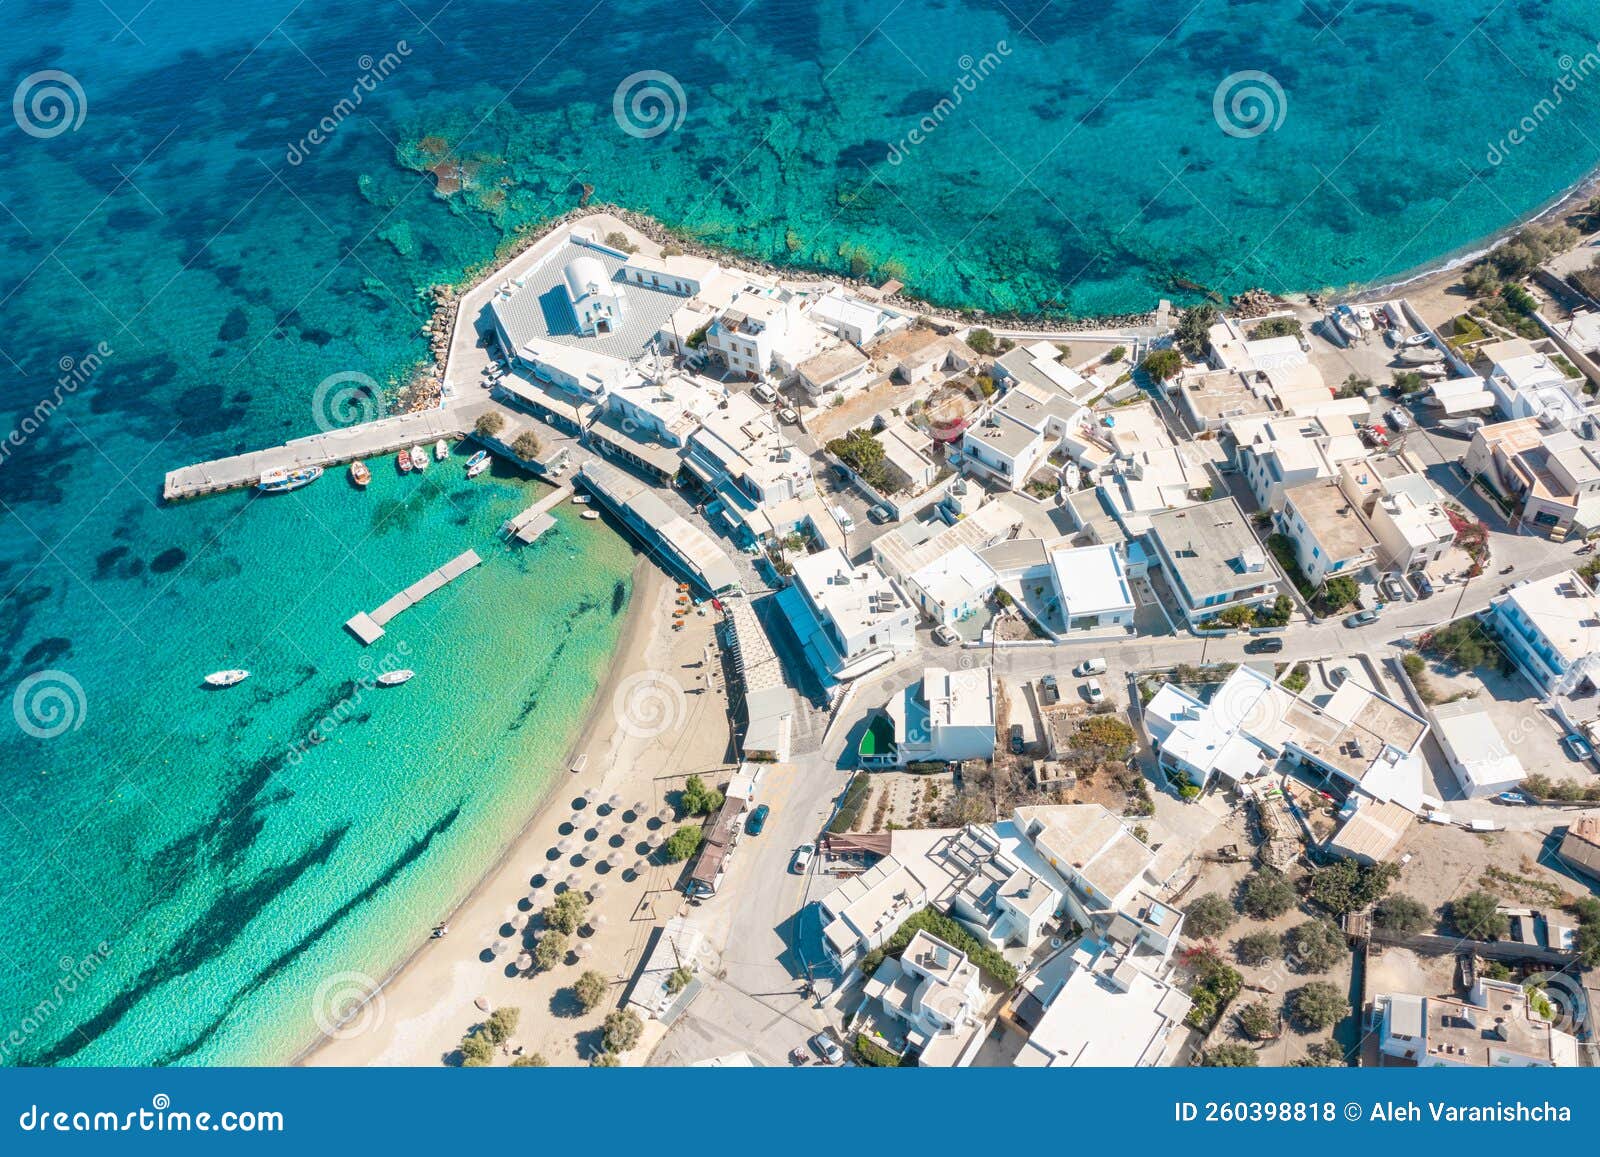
193	261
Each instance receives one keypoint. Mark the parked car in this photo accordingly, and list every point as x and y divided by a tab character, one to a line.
1392	587
1423	583
1049	690
1016	739
1374	436
842	517
763	393
1577	746
945	635
1398	419
880	513
1094	691
758	819
802	858
1096	666
1360	619
828	1048
788	415
1266	645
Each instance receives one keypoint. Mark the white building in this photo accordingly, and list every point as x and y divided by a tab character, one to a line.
1330	537
1019	433
857	322
917	355
1551	629
946	716
1211	559
666	409
1477	752
850	619
1402	509
1527	382
1496	1027
932	990
836	370
1279	452
1092	587
1238	735
741	452
762	331
954	586
597	302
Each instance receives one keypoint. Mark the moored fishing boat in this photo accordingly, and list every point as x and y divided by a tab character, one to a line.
441	450
395	678
282	481
359	474
419	458
591	515
402	462
227	678
477	464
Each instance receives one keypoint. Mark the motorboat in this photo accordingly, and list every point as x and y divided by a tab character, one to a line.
359	474
1418	355
1364	319
591	515
441	450
402	461
1419	339
1434	371
1463	427
580	500
1344	319
478	463
395	678
282	481
419	458
227	678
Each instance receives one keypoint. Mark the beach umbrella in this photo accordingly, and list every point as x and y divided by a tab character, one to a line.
614	802
638	808
534	898
614	859
588	852
599	921
519	921
584	950
513	912
655	840
564	846
524	962
591	795
574	880
598	889
499	947
639	866
483	1003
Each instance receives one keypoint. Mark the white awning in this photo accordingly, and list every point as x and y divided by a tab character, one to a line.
1462	396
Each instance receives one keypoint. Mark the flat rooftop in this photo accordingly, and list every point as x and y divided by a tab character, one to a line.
1331	519
1212	547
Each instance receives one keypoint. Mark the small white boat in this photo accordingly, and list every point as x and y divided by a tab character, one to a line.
591	515
580	499
478	463
1344	319
1433	371
419	458
395	678
1419	339
1364	319
283	481
441	450
227	678
1419	355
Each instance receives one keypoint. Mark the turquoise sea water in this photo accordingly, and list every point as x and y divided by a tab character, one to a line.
183	874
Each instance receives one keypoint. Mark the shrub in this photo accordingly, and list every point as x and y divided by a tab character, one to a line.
684	843
1277	327
698	798
501	1024
1325	1054
550	951
1315	945
1338	593
1115	355
1401	913
527	446
1266	895
1318	1005
1194	329
1258	1020
477	1050
1161	365
855	798
623	1028
605	1061
679	979
590	989
1228	1056
530	1061
874	1056
566	912
936	923
1463	642
1258	947
1475	916
489	425
1209	915
982	341
1347	886
618	240
864	454
1214	986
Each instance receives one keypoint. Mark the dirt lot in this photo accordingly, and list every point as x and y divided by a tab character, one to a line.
1529	729
1446	862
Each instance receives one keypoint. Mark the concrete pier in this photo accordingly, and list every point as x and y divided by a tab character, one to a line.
534	521
368	626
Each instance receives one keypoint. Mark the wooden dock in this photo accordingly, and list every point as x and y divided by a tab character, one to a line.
331	448
368	626
534	521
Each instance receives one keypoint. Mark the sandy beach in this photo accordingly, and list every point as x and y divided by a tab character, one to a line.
660	715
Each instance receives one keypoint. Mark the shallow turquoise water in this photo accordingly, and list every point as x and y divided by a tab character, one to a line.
227	270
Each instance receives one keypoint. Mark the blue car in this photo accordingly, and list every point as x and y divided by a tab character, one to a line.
758	820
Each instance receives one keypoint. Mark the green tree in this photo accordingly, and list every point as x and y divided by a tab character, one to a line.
698	798
1315	945
1401	913
490	424
1228	1056
679	979
864	454
1194	330
1258	1019
1266	895
527	446
1209	915
567	912
1348	887
1326	1054
1258	948
623	1028
477	1050
982	341
1587	910
1476	917
550	951
530	1061
1339	592
605	1061
502	1022
683	843
1318	1005
1162	365
590	989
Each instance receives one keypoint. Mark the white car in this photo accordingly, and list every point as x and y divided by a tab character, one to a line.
828	1048
945	635
763	393
802	859
1095	692
1090	667
788	415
